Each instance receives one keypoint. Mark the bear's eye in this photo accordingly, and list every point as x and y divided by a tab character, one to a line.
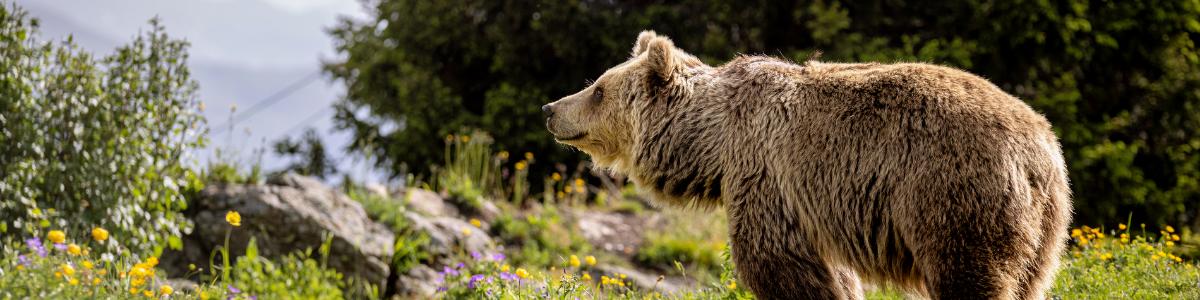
598	94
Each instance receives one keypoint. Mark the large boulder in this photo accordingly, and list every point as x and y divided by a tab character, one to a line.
289	213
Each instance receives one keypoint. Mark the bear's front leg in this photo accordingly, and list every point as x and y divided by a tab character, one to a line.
775	264
783	273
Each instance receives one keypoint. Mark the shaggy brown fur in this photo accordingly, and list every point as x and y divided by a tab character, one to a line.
914	175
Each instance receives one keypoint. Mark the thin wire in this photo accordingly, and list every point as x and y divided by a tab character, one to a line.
266	102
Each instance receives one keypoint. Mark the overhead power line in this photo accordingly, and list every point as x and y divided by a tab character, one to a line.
267	102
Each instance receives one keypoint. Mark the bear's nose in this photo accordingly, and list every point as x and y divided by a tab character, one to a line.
549	111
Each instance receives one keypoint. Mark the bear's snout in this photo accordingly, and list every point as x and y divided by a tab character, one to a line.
548	109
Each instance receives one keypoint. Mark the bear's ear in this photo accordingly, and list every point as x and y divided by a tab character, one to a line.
643	41
661	58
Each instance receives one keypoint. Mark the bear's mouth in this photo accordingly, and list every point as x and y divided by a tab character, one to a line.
571	138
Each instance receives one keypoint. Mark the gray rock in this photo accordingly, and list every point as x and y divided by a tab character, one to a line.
447	235
419	282
289	213
430	204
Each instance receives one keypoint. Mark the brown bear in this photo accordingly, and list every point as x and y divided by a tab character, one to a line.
910	175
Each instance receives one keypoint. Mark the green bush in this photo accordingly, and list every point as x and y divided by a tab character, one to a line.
295	276
104	142
543	237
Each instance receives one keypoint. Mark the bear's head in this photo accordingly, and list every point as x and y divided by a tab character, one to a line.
604	118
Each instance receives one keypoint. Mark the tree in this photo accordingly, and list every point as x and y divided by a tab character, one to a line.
310	159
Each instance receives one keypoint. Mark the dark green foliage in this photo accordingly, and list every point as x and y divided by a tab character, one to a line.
310	157
1117	78
99	142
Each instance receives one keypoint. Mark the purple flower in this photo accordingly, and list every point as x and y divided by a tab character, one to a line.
446	270
442	289
498	256
476	255
35	244
60	247
233	290
474	279
508	276
21	259
458	266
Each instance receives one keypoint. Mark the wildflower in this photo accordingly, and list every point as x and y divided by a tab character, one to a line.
604	280
234	218
507	276
74	249
568	190
57	236
466	231
152	261
475	222
35	244
133	290
99	234
233	290
528	156
446	270
1170	244
165	290
1076	232
1083	242
574	261
504	268
73	281
732	285
465	139
587	277
191	267
95	281
520	165
1121	226
474	279
22	260
476	256
67	269
498	256
1170	229
522	273
148	293
561	194
579	182
623	276
503	155
556	177
591	260
87	264
1175	237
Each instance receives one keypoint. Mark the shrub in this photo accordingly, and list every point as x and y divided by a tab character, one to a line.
100	141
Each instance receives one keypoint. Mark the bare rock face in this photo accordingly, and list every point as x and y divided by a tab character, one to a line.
289	213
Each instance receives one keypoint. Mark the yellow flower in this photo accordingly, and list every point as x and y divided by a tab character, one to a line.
504	268
95	280
1076	232
579	182
191	267
732	285
591	260
560	194
522	273
74	249
138	271
466	231
1121	226
503	155
99	234
133	290
587	277
528	156
234	218
475	222
574	261
1083	242
67	269
465	139
623	276
568	190
1175	237
555	176
165	290
57	236
148	293
605	280
520	165
152	261
73	281
1170	229
449	138
87	264
1170	244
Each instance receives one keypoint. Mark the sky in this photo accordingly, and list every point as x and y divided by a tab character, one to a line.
242	52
